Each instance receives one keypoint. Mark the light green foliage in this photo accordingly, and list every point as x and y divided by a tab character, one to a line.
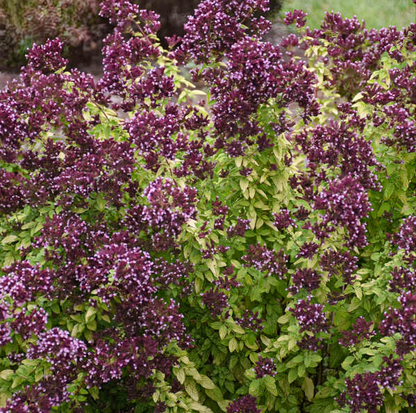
377	14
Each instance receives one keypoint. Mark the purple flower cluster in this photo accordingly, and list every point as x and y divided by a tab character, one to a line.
282	220
308	250
265	260
339	264
310	343
354	52
338	146
218	24
401	320
169	208
405	238
253	72
297	16
47	58
345	203
265	367
239	228
245	404
20	285
360	331
250	321
305	278
364	391
310	317
215	302
403	279
64	355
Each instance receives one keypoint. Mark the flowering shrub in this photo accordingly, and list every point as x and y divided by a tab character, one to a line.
250	252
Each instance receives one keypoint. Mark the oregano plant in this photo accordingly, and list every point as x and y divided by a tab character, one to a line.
218	227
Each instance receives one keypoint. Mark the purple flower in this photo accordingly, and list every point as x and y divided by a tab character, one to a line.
402	279
364	393
360	331
345	203
305	278
339	264
250	321
265	260
308	250
310	316
239	228
245	404
295	16
215	301
265	367
216	25
282	220
401	320
47	58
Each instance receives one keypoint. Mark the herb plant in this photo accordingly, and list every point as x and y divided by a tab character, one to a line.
246	245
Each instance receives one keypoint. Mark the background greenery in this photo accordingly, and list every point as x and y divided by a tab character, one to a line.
377	14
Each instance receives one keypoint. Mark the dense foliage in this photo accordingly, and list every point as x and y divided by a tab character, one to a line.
251	252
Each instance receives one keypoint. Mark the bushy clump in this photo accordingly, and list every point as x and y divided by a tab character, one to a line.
252	251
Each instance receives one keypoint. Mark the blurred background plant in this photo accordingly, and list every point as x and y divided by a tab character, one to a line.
25	22
77	24
376	14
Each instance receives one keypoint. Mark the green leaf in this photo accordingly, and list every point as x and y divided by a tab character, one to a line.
180	375
307	360
347	362
95	393
293	375
388	190
198	407
4	397
309	388
206	382
9	239
237	329
214	394
17	382
223	332
283	319
216	325
7	374
244	184
191	389
232	345
270	383
325	392
92	325
90	314
256	387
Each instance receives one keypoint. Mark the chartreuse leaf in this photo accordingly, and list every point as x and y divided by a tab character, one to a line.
7	374
256	388
270	384
232	345
214	394
9	239
293	375
191	389
206	382
309	388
